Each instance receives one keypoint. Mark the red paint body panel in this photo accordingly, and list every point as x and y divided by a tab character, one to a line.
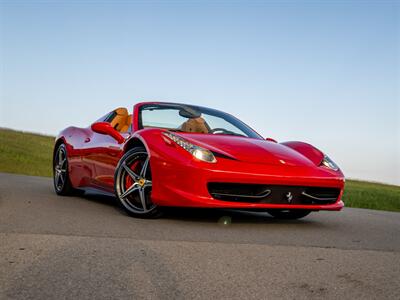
181	180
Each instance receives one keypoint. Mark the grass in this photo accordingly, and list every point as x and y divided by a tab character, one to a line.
25	153
31	154
372	195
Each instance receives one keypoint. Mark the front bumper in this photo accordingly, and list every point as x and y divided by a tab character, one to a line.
177	182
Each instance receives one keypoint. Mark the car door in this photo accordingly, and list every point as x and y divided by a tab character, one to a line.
90	147
108	151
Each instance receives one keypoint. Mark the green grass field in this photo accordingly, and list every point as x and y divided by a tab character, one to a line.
25	153
31	154
371	195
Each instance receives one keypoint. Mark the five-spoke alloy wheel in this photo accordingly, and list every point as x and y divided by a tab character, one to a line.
133	184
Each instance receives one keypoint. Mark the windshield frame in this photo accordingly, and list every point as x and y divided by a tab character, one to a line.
250	133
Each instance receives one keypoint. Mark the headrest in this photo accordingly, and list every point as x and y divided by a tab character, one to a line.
122	111
195	125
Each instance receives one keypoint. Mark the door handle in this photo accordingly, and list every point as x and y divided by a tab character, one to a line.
87	140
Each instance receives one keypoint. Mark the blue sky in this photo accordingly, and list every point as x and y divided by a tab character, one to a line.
322	72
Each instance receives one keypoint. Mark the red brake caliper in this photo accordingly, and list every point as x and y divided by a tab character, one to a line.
128	179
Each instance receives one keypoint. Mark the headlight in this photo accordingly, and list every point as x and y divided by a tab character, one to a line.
197	151
328	163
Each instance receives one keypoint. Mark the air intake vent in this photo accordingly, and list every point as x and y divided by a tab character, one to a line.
273	194
317	195
238	192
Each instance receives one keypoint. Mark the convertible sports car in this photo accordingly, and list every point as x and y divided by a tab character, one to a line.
168	154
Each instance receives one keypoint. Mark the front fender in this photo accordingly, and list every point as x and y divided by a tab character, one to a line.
307	150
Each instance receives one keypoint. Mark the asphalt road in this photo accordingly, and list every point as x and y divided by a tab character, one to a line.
55	247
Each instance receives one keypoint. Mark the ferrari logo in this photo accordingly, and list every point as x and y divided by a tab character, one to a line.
289	197
141	181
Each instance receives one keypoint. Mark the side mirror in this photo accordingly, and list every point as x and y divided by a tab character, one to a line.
107	129
271	140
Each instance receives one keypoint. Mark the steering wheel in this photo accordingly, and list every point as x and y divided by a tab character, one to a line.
222	130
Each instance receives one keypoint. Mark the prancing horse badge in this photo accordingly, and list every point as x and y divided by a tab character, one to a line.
289	197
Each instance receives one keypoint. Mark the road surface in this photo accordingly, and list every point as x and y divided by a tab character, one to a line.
55	247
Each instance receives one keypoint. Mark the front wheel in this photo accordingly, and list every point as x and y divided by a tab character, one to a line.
133	184
288	214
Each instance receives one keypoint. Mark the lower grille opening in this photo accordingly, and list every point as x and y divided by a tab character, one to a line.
273	194
317	195
238	192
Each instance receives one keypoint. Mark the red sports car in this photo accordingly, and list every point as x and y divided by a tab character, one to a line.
168	154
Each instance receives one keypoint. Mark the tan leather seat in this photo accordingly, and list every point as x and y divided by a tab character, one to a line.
197	125
128	122
120	120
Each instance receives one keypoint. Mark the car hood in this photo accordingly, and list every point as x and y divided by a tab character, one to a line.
249	150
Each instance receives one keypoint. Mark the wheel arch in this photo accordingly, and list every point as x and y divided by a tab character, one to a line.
136	141
58	142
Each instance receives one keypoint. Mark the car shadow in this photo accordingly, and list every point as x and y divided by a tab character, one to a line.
99	198
203	215
226	216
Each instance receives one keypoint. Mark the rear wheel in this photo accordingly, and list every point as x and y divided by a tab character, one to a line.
288	214
133	184
62	184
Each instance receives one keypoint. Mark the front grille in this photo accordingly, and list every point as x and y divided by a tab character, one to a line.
272	194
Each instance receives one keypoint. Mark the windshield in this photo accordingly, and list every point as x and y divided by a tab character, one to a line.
194	119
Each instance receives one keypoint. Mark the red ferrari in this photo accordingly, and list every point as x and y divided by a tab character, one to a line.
168	154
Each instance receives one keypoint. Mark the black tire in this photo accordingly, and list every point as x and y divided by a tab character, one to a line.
289	214
132	181
61	181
